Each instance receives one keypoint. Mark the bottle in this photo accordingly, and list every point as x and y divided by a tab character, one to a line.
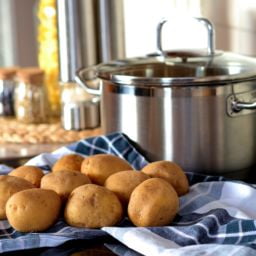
48	58
31	104
7	86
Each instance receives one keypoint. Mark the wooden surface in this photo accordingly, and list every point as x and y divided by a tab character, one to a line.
23	141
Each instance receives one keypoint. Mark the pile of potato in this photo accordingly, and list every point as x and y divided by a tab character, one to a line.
91	192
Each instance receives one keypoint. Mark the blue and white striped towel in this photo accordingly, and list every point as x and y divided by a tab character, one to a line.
217	217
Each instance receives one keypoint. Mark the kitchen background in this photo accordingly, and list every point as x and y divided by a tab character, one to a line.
234	22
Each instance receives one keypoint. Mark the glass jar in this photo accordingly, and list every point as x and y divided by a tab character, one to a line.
31	104
7	86
79	110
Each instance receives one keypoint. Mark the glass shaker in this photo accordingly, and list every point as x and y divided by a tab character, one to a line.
79	110
31	104
7	86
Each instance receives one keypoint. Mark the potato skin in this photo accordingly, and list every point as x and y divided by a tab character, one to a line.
153	203
170	172
99	167
70	162
92	206
64	182
10	185
30	173
33	209
123	183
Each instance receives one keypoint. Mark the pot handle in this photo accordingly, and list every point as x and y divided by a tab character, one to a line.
204	21
87	78
237	106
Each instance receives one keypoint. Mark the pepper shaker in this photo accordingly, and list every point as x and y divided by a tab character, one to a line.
7	86
79	110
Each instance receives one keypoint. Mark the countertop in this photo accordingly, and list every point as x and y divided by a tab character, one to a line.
19	141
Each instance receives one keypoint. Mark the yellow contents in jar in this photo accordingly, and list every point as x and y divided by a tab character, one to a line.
48	51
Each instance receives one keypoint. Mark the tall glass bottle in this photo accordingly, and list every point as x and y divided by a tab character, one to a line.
48	51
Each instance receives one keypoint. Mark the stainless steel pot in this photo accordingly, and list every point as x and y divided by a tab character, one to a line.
197	109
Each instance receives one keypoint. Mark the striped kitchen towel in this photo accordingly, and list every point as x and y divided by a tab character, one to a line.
217	216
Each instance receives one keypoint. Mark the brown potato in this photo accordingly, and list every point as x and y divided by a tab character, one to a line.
70	162
30	173
33	209
123	183
153	203
92	206
10	185
64	182
99	167
170	172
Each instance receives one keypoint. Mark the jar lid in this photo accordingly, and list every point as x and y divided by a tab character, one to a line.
8	73
32	75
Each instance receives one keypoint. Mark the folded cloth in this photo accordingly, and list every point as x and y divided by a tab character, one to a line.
116	144
217	216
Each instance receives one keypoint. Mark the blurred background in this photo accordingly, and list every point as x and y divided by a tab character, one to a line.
233	19
60	36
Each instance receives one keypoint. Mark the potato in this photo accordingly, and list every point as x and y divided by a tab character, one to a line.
70	162
10	185
64	182
99	167
30	173
153	203
33	209
170	172
92	206
123	183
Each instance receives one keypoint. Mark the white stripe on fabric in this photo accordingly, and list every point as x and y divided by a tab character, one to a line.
214	251
181	223
216	219
240	196
197	196
235	251
141	240
111	146
61	231
6	233
175	230
209	249
233	211
225	235
49	158
240	229
126	150
4	226
93	146
141	160
113	140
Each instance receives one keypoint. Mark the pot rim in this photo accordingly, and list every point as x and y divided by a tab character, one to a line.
220	68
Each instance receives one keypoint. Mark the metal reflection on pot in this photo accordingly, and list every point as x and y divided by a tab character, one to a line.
194	108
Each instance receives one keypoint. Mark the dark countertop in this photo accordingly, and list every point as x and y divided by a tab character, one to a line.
74	248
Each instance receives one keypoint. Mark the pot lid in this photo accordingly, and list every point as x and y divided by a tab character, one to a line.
180	69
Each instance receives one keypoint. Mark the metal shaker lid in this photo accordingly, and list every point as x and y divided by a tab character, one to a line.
81	115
